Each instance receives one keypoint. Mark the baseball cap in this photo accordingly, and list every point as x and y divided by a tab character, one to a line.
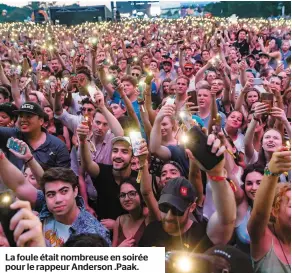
168	60
251	56
31	107
46	68
179	193
121	138
188	65
238	260
264	54
8	108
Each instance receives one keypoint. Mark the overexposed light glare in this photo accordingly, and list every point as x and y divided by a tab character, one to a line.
6	199
155	10
184	264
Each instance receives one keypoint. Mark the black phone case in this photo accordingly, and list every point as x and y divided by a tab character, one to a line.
197	144
5	216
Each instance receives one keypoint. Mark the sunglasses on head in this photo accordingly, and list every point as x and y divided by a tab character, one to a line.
167	207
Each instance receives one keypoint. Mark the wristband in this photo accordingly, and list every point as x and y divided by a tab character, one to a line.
29	160
267	172
217	178
2	155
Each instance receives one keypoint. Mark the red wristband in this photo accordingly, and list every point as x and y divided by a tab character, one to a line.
217	178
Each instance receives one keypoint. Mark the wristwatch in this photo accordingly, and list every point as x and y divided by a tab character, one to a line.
267	172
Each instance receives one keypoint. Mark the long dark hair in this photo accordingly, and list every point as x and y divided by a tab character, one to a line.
249	169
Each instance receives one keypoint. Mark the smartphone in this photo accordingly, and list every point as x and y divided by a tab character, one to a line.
13	145
197	144
136	140
170	100
72	53
193	97
75	43
267	98
64	82
6	213
257	81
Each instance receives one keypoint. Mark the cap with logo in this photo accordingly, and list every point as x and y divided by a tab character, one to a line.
46	68
32	108
178	192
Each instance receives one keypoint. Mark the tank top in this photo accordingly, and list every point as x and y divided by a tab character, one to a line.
270	263
136	237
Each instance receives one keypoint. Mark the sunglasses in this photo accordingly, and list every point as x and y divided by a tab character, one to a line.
87	109
135	75
188	69
167	207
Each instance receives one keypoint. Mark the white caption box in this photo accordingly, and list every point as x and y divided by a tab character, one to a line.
85	260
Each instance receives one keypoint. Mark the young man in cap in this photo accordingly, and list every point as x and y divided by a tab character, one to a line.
264	59
61	210
167	70
47	149
45	72
176	230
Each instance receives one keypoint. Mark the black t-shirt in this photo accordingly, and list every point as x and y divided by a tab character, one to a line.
108	204
243	47
195	239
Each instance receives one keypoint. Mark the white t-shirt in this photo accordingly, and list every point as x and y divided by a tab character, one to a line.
76	103
192	85
56	233
239	142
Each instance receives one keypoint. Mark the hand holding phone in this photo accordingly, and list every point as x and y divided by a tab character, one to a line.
136	141
205	150
268	99
16	145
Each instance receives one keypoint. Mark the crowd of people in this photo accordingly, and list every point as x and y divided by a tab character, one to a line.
95	123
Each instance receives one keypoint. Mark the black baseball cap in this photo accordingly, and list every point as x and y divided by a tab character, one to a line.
179	193
251	56
264	54
9	109
46	68
238	260
31	107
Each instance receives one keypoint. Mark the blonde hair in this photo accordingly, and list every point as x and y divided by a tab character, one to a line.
281	190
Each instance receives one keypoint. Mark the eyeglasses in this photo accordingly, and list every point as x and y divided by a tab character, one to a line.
167	207
135	75
130	194
87	109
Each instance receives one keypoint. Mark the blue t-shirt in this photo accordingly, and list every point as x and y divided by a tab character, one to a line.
116	97
206	120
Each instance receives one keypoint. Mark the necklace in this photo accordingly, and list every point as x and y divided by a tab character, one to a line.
281	247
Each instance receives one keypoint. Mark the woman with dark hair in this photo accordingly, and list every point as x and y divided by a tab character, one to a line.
244	196
232	132
129	228
56	128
